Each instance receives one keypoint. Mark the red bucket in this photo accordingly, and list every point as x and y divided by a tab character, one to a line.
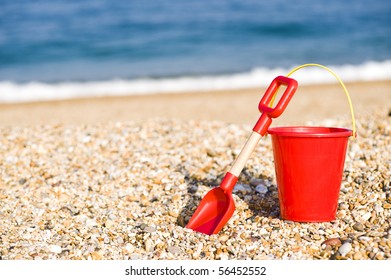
309	163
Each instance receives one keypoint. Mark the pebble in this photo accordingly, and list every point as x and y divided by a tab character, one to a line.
307	238
242	188
366	216
316	237
97	255
130	248
149	245
357	256
223	257
263	231
198	250
174	250
332	242
128	189
256	181
172	213
149	229
387	206
358	227
345	249
223	237
143	226
55	249
261	189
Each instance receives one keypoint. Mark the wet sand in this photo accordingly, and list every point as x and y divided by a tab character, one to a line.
315	102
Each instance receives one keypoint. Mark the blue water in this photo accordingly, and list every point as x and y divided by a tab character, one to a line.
62	40
70	48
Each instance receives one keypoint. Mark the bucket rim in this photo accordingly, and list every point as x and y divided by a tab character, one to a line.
310	131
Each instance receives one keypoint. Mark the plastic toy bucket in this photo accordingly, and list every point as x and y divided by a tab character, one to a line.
309	163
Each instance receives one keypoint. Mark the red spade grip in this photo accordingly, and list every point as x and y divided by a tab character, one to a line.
268	112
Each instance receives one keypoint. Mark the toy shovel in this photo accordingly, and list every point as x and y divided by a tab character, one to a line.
218	206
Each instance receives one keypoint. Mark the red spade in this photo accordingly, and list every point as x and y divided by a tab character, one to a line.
218	206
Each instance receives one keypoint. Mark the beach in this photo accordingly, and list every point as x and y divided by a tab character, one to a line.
311	102
119	177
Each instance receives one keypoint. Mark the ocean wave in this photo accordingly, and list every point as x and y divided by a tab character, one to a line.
11	92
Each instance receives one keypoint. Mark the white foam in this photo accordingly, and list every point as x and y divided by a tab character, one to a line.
36	91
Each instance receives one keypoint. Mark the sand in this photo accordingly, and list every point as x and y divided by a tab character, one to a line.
236	106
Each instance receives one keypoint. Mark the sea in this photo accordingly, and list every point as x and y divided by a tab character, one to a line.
62	49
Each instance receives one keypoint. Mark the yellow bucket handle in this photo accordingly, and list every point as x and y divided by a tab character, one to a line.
339	80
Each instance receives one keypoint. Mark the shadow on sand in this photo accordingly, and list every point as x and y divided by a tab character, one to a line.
263	205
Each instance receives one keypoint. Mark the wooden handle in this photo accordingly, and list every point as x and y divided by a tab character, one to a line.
245	153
